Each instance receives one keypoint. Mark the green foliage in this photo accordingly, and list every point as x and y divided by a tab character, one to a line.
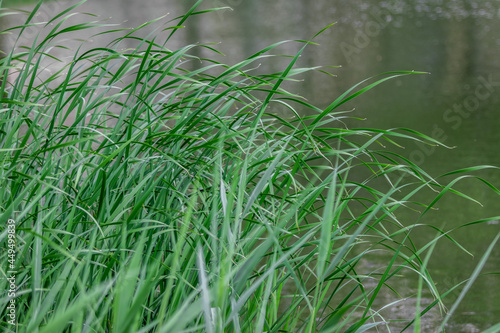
153	197
12	3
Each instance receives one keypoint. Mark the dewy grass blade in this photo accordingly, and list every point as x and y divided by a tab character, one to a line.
346	97
417	321
493	329
339	256
125	288
184	18
205	292
84	301
327	224
471	280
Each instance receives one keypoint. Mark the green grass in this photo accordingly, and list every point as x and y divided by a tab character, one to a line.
151	197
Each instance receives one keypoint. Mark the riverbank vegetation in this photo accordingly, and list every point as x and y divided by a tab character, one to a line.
149	196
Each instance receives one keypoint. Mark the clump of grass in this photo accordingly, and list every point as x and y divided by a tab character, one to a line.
149	197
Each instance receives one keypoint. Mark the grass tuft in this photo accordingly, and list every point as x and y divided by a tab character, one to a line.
153	197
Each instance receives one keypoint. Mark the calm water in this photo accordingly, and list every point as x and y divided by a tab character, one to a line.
458	42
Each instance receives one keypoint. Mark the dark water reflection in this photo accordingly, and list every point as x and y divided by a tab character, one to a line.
459	103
